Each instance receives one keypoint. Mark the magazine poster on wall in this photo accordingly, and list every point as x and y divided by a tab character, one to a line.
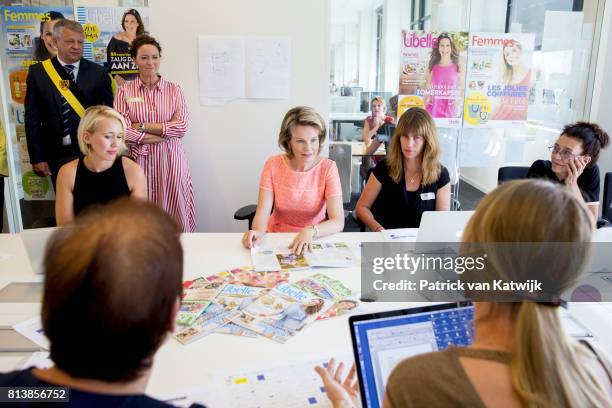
25	43
499	76
432	74
108	35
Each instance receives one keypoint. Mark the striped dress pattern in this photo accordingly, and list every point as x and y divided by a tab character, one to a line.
165	164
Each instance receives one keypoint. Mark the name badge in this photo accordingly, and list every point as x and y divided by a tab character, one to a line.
428	196
135	99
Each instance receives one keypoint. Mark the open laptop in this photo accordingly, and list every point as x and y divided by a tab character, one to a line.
443	226
381	340
35	242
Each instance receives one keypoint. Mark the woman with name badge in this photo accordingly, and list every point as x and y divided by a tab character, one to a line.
156	113
410	180
102	174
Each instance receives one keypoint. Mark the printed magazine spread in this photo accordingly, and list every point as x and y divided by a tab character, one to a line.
280	313
432	74
231	299
103	43
327	255
499	76
247	303
343	299
21	26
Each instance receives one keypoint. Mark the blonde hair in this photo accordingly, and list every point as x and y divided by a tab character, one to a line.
90	121
507	70
547	366
301	116
380	100
418	122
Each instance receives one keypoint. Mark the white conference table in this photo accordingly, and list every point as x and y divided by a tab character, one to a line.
178	367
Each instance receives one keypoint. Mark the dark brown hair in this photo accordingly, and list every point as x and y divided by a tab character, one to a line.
143	40
112	280
40	52
133	12
593	138
435	52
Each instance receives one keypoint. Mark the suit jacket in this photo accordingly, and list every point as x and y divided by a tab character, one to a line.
44	123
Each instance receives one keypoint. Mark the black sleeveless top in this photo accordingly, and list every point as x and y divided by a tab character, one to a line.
98	188
396	207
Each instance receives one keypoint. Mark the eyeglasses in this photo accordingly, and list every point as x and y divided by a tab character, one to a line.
565	155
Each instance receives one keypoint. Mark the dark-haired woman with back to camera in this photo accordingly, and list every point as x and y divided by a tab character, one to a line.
573	162
103	338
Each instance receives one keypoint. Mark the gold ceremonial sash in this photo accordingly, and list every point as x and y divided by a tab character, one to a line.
63	86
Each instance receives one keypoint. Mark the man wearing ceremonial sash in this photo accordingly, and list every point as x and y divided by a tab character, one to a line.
58	91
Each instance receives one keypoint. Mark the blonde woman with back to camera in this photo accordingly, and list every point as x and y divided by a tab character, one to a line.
299	191
521	355
103	173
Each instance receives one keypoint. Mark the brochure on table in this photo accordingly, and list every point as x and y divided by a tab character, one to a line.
324	255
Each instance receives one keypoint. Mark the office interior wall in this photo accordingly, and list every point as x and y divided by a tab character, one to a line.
366	47
227	146
392	27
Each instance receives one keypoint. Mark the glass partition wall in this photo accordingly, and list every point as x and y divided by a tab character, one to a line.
365	61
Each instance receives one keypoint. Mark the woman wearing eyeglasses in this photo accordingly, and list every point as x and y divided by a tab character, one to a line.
573	162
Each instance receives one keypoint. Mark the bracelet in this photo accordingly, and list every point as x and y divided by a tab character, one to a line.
315	231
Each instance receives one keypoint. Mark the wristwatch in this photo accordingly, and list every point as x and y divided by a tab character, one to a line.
141	127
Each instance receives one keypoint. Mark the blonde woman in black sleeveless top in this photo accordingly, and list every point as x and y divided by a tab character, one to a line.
521	356
102	174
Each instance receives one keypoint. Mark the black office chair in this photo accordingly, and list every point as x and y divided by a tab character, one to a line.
511	173
246	213
606	209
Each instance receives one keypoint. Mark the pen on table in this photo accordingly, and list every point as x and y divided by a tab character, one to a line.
184	397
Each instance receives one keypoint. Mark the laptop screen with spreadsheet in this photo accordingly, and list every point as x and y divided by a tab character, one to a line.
382	340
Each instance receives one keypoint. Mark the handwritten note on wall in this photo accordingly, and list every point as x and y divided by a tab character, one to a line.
243	67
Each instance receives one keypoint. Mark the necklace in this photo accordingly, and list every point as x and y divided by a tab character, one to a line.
412	179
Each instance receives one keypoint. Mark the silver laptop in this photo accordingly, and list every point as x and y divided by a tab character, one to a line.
443	226
35	242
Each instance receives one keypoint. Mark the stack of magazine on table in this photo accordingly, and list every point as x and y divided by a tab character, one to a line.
249	303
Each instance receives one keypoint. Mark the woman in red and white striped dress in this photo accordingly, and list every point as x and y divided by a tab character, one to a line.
157	115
